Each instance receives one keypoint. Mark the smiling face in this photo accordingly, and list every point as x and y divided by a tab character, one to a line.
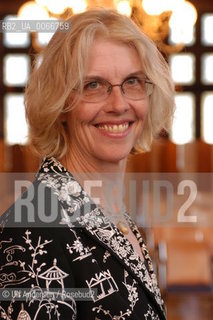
106	131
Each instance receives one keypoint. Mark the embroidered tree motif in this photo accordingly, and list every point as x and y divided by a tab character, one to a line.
6	315
36	251
47	301
132	290
78	248
50	301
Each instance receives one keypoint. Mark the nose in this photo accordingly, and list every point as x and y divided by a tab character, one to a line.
116	102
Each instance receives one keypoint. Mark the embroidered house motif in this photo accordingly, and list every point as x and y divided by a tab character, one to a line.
104	285
53	274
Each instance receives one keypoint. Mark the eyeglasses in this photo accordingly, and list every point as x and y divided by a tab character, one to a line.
133	88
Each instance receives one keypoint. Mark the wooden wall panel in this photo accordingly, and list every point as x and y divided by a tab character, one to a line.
1	155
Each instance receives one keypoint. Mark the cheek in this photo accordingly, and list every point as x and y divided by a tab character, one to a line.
141	109
85	112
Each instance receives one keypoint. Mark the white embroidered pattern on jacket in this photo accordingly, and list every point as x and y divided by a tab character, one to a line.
23	314
150	315
100	226
64	185
106	256
100	282
148	259
132	290
74	202
45	298
4	221
132	297
79	249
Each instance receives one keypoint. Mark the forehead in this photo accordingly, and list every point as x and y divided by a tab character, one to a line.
112	59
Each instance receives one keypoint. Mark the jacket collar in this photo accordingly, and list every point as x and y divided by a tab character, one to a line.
78	208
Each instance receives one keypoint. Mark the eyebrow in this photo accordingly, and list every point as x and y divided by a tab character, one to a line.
132	74
89	78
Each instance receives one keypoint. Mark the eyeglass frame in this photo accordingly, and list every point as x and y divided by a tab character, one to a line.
110	87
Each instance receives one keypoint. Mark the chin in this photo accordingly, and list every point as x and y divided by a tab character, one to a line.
114	157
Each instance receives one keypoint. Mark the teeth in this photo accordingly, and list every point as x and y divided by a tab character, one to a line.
114	127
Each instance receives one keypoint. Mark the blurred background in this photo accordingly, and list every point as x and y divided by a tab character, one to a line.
182	250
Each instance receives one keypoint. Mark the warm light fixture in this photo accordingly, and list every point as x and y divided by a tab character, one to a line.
55	7
30	10
157	18
185	15
50	7
77	6
156	7
179	12
124	7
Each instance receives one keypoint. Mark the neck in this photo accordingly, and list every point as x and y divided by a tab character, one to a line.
82	164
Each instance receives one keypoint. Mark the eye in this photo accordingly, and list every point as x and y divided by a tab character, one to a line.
92	85
132	81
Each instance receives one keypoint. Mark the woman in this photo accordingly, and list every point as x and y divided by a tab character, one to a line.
101	92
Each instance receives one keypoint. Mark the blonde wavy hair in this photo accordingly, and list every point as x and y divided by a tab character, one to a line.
64	61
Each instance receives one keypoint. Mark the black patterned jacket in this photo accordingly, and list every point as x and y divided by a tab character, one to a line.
76	266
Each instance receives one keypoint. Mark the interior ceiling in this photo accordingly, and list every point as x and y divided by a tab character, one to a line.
11	6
